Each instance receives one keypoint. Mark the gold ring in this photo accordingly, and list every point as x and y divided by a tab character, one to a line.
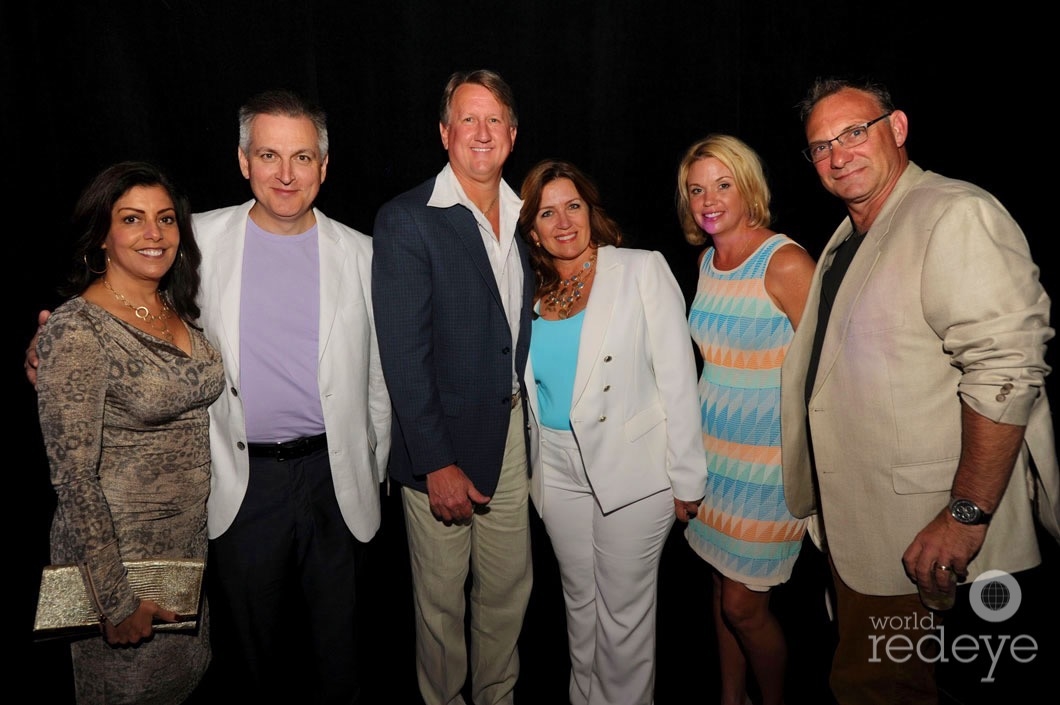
938	566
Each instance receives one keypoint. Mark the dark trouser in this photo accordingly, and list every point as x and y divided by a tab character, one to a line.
285	574
873	664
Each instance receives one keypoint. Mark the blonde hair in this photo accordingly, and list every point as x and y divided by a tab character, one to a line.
746	170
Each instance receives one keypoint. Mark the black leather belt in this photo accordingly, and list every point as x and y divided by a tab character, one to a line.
288	450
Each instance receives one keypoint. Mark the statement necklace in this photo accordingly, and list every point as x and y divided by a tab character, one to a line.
567	293
159	321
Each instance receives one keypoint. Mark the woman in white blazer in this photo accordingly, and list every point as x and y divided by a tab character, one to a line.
615	442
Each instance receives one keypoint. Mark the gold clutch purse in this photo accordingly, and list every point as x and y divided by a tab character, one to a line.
64	607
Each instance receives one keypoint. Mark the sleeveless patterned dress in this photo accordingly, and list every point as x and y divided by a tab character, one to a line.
743	529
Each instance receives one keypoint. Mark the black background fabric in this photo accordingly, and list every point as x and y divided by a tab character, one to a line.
620	88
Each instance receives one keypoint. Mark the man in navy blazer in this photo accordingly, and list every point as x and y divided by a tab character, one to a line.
452	289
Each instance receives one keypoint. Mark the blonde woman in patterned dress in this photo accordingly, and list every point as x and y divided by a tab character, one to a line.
123	385
752	287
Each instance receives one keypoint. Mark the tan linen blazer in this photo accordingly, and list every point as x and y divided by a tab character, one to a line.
942	303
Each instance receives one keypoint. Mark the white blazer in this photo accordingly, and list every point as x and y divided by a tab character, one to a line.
635	407
350	378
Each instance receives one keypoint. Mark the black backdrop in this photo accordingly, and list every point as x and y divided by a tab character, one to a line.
619	87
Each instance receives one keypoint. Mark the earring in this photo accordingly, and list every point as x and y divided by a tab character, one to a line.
88	266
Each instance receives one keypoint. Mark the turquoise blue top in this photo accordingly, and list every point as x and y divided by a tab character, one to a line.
554	357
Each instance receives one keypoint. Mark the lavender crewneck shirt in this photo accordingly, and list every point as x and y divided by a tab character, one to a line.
278	335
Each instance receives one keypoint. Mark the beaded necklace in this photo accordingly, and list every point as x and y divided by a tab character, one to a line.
566	295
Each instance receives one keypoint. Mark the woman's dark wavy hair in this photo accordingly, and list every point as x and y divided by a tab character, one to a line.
91	223
605	231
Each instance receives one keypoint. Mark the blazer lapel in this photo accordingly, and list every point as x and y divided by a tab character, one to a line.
522	345
797	357
598	313
228	263
332	261
849	292
467	233
861	267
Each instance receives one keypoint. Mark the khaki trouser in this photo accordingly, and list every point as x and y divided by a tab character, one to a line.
495	546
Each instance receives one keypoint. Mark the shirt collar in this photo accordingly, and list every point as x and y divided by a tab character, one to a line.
448	192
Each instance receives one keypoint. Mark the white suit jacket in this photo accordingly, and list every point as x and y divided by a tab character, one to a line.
635	406
350	379
941	304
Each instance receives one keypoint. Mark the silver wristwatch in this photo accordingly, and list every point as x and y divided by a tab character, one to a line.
968	512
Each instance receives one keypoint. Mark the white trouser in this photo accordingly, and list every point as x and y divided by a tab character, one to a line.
609	567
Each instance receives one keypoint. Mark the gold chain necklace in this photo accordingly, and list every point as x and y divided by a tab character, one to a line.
746	244
566	295
738	259
159	321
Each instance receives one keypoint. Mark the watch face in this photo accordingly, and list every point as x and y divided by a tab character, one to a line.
965	511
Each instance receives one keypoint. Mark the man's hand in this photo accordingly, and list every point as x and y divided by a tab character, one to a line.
453	496
943	546
32	361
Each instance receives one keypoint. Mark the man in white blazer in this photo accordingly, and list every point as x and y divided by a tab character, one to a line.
919	375
300	437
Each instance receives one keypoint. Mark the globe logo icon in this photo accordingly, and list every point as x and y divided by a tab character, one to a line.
995	596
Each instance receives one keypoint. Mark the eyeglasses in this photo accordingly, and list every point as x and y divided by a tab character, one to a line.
850	137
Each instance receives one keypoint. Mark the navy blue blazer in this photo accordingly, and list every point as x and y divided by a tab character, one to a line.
444	340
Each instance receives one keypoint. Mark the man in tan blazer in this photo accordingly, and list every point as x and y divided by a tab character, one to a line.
919	375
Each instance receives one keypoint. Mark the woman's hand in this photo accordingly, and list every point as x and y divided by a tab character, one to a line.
686	511
138	625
